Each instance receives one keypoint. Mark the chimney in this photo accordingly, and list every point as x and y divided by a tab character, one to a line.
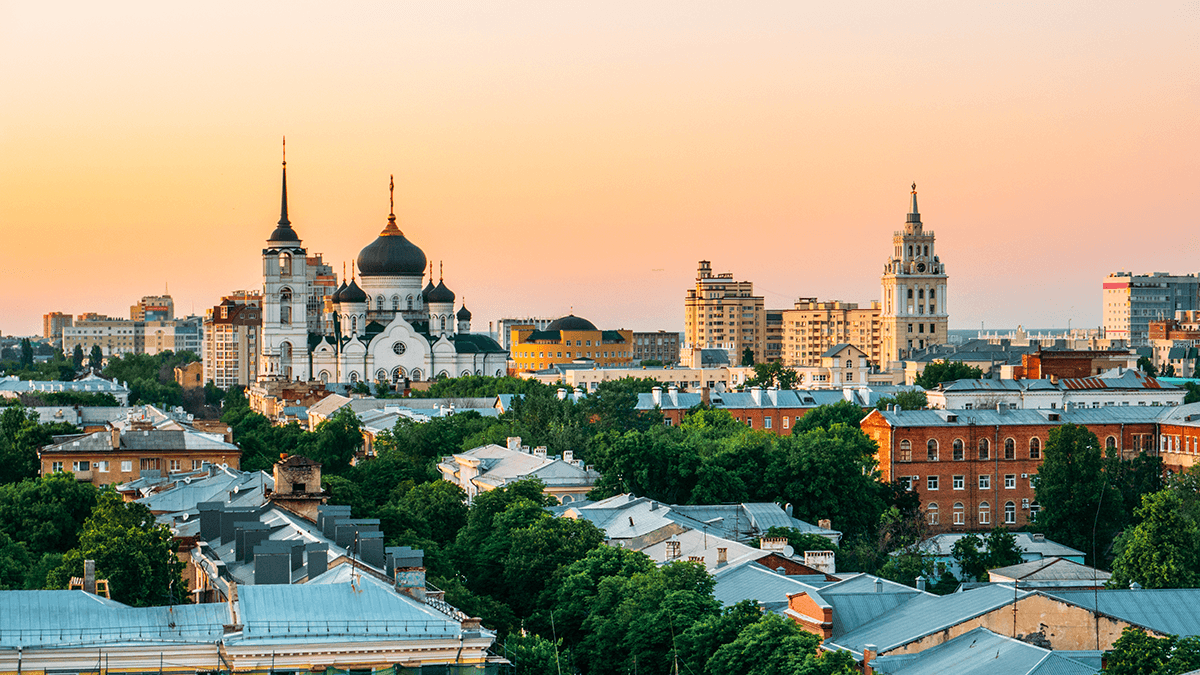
825	524
653	506
562	394
540	451
89	576
869	654
787	508
756	395
411	581
878	585
568	456
514	443
656	396
773	393
116	438
722	555
920	583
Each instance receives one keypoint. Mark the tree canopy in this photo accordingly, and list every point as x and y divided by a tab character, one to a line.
1136	653
937	372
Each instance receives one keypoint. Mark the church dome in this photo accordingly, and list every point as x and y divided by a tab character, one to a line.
337	295
353	293
391	255
464	314
571	322
440	294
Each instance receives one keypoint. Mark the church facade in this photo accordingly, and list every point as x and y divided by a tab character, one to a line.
382	326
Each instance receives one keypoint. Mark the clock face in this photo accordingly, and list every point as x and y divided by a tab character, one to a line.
920	267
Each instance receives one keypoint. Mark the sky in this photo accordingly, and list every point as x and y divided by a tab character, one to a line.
566	156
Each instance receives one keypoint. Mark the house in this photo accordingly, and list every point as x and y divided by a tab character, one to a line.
14	387
1034	546
982	652
751	580
490	466
1050	574
1117	387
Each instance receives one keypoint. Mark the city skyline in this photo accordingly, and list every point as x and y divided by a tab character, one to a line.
561	158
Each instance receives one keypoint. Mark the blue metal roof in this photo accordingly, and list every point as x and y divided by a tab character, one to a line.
1174	611
63	618
752	581
981	652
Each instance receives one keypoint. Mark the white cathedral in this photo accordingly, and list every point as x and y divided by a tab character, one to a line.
381	327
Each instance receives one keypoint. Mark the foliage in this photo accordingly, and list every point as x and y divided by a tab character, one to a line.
907	400
977	554
1076	500
21	437
131	550
335	442
1146	365
774	645
57	367
826	416
46	513
1163	550
96	358
534	655
747	357
77	357
773	374
69	398
1193	392
946	371
26	353
1136	653
150	377
481	386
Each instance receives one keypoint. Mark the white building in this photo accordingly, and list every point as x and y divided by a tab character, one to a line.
1116	387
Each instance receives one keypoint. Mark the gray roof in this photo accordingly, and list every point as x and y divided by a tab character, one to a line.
922	615
988	417
752	581
1180	414
1174	611
767	399
943	544
147	440
832	351
1051	569
982	652
91	383
53	618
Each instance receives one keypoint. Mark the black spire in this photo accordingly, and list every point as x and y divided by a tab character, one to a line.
914	216
284	232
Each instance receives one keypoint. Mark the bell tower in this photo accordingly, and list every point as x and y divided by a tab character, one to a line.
913	300
285	300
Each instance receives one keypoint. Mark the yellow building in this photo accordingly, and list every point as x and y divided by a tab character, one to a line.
566	340
721	313
914	279
812	327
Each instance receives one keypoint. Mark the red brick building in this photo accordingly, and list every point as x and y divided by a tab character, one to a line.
1058	364
768	409
974	468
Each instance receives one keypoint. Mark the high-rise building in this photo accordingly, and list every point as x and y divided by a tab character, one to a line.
153	308
813	327
1132	301
721	313
232	331
913	303
656	346
53	324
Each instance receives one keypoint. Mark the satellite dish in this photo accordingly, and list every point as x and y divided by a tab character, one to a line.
788	550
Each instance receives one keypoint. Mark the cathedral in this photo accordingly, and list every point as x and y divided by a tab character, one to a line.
382	326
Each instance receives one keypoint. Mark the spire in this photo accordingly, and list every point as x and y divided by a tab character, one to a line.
391	229
914	216
283	217
441	271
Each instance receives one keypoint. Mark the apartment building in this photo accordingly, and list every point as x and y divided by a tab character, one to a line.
1132	301
722	313
813	327
153	308
656	345
119	455
232	331
54	323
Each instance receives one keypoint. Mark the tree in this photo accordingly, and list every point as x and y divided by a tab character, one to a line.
1136	653
747	357
826	416
131	550
773	374
338	440
21	437
1146	365
1163	550
907	400
1078	507
1193	390
977	554
77	356
1168	370
774	645
26	353
946	371
46	513
534	655
96	358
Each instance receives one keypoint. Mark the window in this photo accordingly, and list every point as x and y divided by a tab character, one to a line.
102	467
932	510
985	513
960	482
960	514
985	482
1010	449
766	422
749	422
905	451
81	466
1010	513
197	464
1110	443
985	449
1010	481
931	482
905	481
931	451
1035	448
958	450
786	420
174	465
127	465
1034	507
56	466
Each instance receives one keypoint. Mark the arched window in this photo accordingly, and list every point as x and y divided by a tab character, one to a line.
849	363
397	374
985	449
414	374
353	377
410	302
354	325
379	303
931	450
932	510
931	294
285	264
1110	443
985	513
926	250
958	450
905	451
920	293
1035	448
324	376
1010	513
960	514
285	306
910	294
381	375
1010	449
910	255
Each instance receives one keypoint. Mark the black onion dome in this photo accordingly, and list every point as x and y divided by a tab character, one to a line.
427	290
337	295
440	294
391	255
353	293
284	234
464	314
571	322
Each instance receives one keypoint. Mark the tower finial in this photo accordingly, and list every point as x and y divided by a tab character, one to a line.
441	270
392	195
352	271
914	216
343	271
283	215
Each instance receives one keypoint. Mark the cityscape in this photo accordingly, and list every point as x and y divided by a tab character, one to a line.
600	340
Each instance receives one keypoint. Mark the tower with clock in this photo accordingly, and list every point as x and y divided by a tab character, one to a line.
915	314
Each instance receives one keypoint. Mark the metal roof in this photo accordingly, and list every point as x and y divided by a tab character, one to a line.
752	581
1175	611
989	417
981	652
943	545
1050	569
65	618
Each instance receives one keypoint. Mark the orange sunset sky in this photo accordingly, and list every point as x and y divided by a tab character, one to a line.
569	154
